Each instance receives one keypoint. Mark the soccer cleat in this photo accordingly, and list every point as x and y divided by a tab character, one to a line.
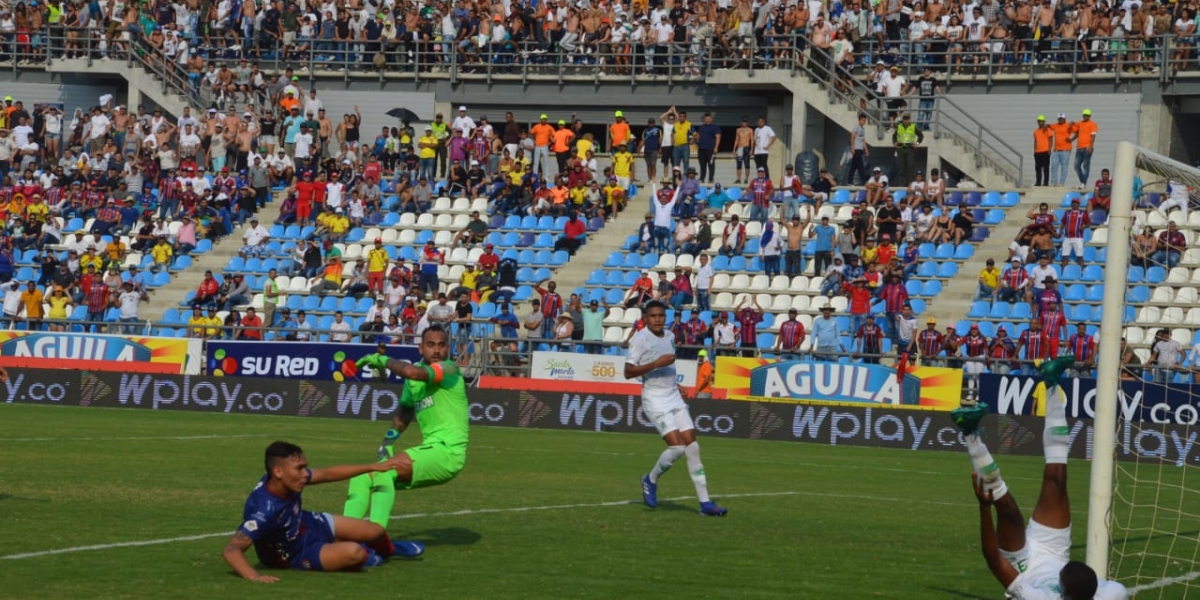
1052	370
710	509
967	418
649	492
385	448
373	558
407	549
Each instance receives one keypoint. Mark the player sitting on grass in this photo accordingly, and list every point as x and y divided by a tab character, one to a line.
1034	562
652	357
286	537
436	395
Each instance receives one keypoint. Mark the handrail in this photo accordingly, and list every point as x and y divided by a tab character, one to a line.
989	149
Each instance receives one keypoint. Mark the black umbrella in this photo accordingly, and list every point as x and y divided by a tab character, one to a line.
403	114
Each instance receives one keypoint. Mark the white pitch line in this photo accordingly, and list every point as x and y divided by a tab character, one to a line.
456	513
133	438
1164	582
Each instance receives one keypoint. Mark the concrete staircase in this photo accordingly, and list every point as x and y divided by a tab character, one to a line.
602	243
954	302
950	145
170	295
142	83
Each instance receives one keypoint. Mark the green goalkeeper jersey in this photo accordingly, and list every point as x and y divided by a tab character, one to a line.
441	406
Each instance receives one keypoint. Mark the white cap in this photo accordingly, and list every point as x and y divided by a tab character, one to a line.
462	108
1062	115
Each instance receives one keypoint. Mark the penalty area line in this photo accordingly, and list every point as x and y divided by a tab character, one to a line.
458	513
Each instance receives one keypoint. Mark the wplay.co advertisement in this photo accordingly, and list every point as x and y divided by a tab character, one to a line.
871	426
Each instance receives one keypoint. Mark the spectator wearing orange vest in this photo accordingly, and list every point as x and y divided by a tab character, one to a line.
618	132
1043	138
562	145
1083	133
1061	153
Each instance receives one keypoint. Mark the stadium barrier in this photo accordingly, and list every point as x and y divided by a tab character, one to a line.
99	352
595	368
323	361
882	427
1138	400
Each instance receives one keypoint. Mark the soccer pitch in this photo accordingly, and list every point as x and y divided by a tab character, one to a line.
91	496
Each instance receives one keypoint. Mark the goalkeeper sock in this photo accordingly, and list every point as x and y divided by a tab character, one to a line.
696	470
665	460
1056	437
358	498
986	466
383	497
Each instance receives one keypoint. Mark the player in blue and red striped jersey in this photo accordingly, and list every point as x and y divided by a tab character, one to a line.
1054	323
1035	343
1001	351
1014	283
1083	347
1075	224
870	340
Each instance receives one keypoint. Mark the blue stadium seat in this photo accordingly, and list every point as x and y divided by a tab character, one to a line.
614	297
994	216
407	253
363	305
160	279
597	277
311	303
947	270
913	287
926	249
931	288
329	304
755	265
973	199
510	239
614	260
987	328
546	223
1079	312
1021	312
737	263
721	263
927	269
236	264
559	258
1071	273
1135	275
291	233
529	222
918	306
524	275
527	257
171	316
24	274
181	263
496	222
633	261
900	195
390	219
999	311
424	236
1156	275
347	304
1095	293
526	240
295	303
1010	199
542	274
991	198
542	257
559	224
253	265
356	234
493	237
512	222
979	309
841	196
1074	292
648	262
964	252
766	341
944	252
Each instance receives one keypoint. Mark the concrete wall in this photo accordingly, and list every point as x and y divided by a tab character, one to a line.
71	95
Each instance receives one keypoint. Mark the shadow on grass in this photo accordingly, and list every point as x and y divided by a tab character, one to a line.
674	506
959	594
21	499
445	536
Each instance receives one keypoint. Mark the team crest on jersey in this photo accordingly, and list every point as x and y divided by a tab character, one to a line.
250	525
426	402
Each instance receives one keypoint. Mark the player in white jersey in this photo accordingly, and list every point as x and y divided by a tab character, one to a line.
652	358
1034	562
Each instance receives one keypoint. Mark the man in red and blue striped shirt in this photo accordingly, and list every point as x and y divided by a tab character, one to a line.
1075	223
1036	344
1001	351
552	304
1013	283
760	190
895	298
870	340
749	318
1083	346
791	336
929	342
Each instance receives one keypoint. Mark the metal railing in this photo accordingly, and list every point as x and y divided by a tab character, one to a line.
691	61
844	88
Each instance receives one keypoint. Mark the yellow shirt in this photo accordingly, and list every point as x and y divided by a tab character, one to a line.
582	147
990	278
333	272
868	255
427	152
516	176
92	260
196	326
215	324
38	211
578	195
33	303
468	279
683	133
114	250
58	306
377	260
162	253
338	224
622	164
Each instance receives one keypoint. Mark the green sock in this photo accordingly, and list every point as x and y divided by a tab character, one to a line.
383	496
358	498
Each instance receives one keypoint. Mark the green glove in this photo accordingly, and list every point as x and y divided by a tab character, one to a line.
377	362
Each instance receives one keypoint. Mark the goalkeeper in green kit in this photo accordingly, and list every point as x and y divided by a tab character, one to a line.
435	394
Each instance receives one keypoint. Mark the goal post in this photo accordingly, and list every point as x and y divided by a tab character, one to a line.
1108	365
1143	521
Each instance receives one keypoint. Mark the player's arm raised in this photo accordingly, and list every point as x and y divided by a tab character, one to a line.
235	555
1003	571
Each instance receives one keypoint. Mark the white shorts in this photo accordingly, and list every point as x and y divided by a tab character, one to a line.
678	419
1046	549
745	30
622	181
1072	246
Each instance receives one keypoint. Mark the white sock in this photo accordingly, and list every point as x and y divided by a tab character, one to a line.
696	469
1056	437
665	460
987	468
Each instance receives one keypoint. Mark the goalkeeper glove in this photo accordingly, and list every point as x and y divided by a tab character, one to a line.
385	448
377	362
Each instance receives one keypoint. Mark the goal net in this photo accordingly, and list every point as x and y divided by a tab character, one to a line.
1144	509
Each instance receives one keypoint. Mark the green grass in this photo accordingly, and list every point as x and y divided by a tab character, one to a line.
858	523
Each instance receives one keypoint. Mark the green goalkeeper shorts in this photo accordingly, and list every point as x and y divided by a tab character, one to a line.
434	464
